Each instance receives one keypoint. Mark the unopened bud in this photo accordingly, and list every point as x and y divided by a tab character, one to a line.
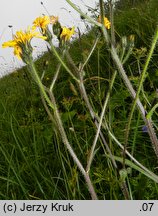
57	29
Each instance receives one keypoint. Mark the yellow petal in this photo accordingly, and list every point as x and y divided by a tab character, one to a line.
9	44
107	23
41	22
67	33
17	52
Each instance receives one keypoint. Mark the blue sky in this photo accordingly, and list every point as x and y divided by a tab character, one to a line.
21	13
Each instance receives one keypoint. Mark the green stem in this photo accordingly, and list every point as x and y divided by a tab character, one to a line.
153	176
136	131
100	123
91	52
39	83
111	5
142	78
86	99
130	88
101	4
70	149
83	14
145	172
52	104
55	77
151	111
62	62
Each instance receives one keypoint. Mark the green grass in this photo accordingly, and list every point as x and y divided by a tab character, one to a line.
34	163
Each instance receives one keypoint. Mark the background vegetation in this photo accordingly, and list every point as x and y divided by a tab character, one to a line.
34	164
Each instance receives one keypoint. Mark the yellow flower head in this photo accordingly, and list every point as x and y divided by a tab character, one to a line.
41	22
25	37
107	23
21	41
67	33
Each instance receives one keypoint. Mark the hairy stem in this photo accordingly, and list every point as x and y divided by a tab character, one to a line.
92	113
37	79
62	62
127	82
71	151
142	78
52	103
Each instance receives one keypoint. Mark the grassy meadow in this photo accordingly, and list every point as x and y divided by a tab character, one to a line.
100	120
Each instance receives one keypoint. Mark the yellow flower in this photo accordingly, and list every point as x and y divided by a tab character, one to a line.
53	19
67	33
25	37
41	22
21	42
107	23
14	44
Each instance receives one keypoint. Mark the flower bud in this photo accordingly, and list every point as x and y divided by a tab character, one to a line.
57	29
